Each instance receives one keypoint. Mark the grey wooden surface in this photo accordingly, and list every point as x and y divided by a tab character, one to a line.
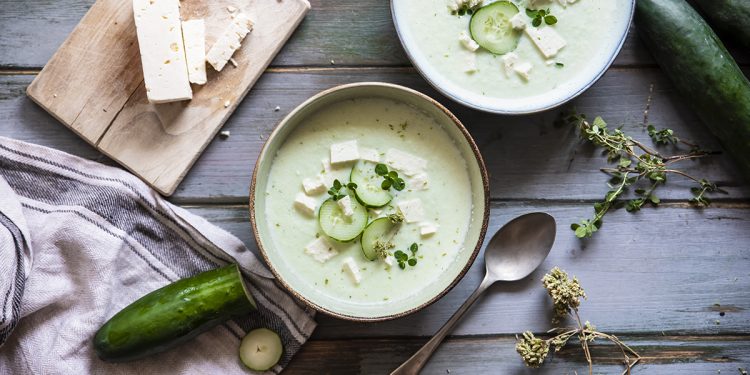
673	281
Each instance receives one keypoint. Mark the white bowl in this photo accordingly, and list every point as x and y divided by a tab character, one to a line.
514	106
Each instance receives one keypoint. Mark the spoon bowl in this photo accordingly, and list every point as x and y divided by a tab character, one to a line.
519	247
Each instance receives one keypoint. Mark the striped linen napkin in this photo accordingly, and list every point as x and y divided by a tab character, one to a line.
79	241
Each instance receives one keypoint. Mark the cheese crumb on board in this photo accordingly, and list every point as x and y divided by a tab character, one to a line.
314	185
351	267
346	206
412	210
344	152
194	35
467	42
369	154
321	250
229	41
159	31
305	204
405	162
546	39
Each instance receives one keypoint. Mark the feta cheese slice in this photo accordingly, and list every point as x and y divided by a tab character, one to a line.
518	21
467	41
314	185
321	250
405	162
165	71
411	209
369	154
351	267
546	39
418	182
305	204
346	206
509	61
523	69
229	41
194	35
344	152
427	229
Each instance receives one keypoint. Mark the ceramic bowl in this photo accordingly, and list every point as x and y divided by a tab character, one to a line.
382	310
513	106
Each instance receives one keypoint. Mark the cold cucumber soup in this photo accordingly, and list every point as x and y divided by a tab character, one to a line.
368	201
516	53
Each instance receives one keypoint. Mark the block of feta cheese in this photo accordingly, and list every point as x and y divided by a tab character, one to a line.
305	204
411	209
467	42
194	35
427	229
165	72
229	41
523	69
369	154
350	266
346	206
518	21
509	61
546	39
314	185
470	63
321	250
405	162
418	182
344	151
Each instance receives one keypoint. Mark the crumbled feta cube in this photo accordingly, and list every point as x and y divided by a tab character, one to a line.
389	261
470	63
427	229
321	250
509	61
418	182
229	41
467	41
375	213
346	206
405	162
344	152
523	69
546	39
327	174
314	185
411	209
305	204
369	154
518	21
350	267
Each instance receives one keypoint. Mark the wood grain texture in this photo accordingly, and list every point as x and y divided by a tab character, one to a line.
94	85
670	270
527	156
496	355
349	32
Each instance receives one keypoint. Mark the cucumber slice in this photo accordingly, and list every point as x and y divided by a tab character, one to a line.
338	226
490	27
369	190
379	230
261	349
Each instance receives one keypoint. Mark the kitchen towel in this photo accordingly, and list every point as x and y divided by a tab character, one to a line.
80	240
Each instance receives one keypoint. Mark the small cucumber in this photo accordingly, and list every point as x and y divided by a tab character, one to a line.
369	190
490	27
173	314
261	349
338	226
379	230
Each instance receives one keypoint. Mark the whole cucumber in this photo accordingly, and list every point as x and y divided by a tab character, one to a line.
173	314
731	18
701	69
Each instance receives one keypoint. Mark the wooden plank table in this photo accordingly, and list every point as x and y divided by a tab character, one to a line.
673	282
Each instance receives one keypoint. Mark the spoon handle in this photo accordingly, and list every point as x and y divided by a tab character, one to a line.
414	364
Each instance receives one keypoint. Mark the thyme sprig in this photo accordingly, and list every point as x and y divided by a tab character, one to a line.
566	295
635	162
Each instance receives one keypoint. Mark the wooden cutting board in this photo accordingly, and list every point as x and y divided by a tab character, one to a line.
94	85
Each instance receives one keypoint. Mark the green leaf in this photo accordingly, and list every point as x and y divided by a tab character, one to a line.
414	247
550	20
599	122
531	13
537	21
413	262
574	226
400	255
399	184
381	169
401	265
581	232
351	186
625	162
393	175
386	184
336	184
654	199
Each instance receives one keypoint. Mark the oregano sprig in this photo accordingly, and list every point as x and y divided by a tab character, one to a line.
390	178
336	191
539	15
403	259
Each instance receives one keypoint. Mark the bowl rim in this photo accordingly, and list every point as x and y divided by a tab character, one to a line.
456	98
485	188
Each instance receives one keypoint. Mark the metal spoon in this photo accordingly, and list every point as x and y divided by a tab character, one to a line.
514	252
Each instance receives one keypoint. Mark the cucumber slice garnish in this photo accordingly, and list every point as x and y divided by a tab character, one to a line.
338	226
369	190
261	349
379	231
490	27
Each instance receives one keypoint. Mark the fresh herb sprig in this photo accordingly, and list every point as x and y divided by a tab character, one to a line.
390	178
635	162
465	7
336	191
566	296
403	259
539	15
